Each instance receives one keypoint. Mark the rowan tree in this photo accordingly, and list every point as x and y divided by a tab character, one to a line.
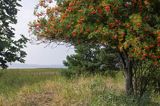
130	26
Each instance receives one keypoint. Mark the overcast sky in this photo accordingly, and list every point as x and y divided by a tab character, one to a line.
38	54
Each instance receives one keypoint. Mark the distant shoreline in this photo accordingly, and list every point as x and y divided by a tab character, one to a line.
32	66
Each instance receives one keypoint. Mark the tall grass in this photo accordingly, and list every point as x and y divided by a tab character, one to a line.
12	80
59	90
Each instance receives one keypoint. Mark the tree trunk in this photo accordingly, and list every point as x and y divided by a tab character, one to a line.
127	65
128	79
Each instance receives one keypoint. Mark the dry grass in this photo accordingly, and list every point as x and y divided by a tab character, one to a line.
62	92
96	90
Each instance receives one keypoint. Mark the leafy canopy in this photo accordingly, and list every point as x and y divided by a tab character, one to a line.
131	26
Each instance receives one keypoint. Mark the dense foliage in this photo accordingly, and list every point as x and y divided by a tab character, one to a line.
10	49
92	59
129	25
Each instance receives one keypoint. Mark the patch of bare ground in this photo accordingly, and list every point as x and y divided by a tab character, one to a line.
37	99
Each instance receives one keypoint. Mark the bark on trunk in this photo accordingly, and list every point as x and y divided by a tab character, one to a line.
129	79
128	73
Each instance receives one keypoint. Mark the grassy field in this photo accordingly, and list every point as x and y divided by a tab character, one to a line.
51	87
